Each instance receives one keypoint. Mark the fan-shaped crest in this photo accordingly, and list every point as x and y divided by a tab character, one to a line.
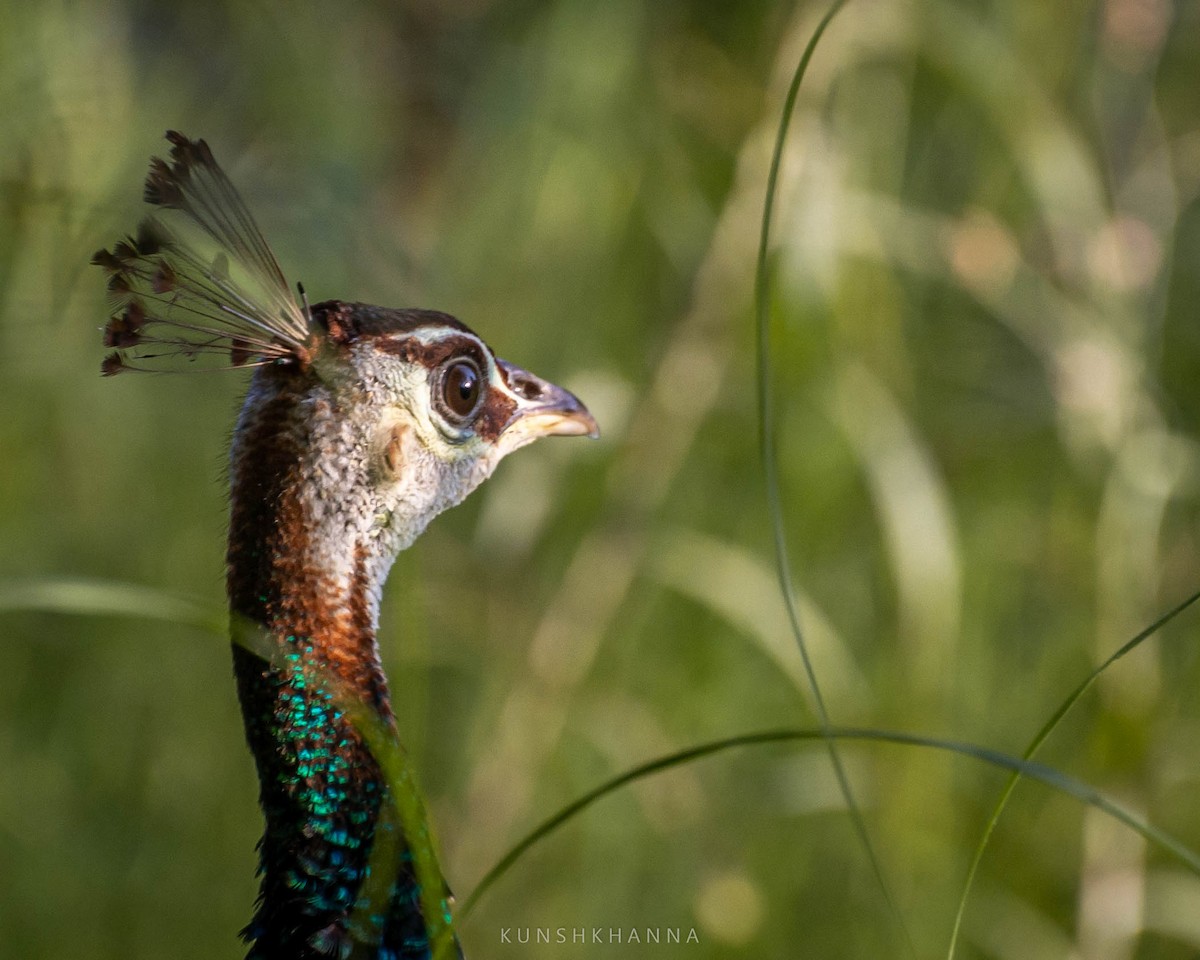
205	284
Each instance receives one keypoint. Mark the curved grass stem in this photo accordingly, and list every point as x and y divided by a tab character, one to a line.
1019	767
1034	745
84	596
766	438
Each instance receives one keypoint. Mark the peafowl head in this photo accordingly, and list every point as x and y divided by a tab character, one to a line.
397	414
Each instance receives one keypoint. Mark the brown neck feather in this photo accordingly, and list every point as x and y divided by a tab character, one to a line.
279	574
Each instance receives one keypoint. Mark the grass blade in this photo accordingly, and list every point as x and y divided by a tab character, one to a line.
80	596
1052	778
766	437
1035	745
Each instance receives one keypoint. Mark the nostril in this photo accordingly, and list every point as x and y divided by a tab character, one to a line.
527	388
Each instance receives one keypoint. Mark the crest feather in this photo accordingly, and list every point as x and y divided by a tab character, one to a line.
207	284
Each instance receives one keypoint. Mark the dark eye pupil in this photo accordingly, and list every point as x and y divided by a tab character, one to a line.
461	390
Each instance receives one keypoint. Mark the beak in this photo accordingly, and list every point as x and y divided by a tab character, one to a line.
543	409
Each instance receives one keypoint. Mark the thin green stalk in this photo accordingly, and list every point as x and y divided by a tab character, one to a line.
1035	745
83	596
1034	771
766	438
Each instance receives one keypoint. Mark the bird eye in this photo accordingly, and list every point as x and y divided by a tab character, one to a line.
461	388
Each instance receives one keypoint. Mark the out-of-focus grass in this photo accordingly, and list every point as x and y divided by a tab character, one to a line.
986	358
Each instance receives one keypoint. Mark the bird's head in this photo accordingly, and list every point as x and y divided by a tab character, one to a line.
372	420
418	406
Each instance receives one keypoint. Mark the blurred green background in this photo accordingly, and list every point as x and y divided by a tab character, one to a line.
986	357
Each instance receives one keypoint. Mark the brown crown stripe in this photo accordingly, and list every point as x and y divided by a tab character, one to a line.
346	322
433	353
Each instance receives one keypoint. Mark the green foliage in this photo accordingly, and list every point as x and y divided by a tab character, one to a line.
985	353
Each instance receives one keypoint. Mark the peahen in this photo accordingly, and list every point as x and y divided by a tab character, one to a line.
360	425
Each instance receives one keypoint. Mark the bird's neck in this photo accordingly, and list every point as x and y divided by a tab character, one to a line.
307	559
305	572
